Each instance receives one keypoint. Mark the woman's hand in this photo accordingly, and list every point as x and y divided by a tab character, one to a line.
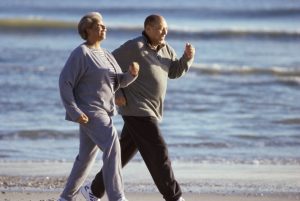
83	119
134	69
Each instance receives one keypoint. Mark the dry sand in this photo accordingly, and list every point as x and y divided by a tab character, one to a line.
43	181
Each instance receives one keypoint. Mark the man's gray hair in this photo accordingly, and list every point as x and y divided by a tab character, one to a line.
152	20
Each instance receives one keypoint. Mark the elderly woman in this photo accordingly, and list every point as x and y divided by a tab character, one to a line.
87	85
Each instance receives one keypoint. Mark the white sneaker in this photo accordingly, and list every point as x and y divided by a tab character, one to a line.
61	199
87	193
181	199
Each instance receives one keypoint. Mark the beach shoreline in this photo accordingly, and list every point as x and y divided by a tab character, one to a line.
45	180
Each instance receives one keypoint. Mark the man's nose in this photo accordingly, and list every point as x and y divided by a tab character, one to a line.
165	31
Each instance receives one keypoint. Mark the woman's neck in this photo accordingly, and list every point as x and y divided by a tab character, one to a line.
93	45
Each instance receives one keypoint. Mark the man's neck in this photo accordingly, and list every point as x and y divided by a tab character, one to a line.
153	46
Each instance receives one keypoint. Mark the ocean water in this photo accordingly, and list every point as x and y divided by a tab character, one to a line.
239	103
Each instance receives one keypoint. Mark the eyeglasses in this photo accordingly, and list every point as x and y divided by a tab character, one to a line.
102	26
98	27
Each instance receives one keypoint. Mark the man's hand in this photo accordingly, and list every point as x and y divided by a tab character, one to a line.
83	119
134	69
120	101
189	51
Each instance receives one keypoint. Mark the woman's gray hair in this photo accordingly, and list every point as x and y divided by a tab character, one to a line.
86	22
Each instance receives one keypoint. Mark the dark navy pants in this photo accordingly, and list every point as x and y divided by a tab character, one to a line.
143	134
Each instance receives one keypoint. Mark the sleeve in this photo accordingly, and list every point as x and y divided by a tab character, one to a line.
122	56
120	93
68	80
126	79
178	66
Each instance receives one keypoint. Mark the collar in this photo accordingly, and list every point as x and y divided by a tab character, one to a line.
148	41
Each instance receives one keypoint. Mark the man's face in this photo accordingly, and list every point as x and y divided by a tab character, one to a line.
157	32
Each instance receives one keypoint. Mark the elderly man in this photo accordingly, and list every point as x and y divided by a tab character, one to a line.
141	105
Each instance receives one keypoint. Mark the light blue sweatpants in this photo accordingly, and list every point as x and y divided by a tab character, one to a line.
98	133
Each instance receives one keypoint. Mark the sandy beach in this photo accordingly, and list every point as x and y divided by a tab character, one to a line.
43	181
51	196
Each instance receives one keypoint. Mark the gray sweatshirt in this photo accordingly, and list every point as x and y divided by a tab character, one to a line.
145	97
85	83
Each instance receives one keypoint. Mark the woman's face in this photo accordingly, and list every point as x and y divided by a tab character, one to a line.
98	31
